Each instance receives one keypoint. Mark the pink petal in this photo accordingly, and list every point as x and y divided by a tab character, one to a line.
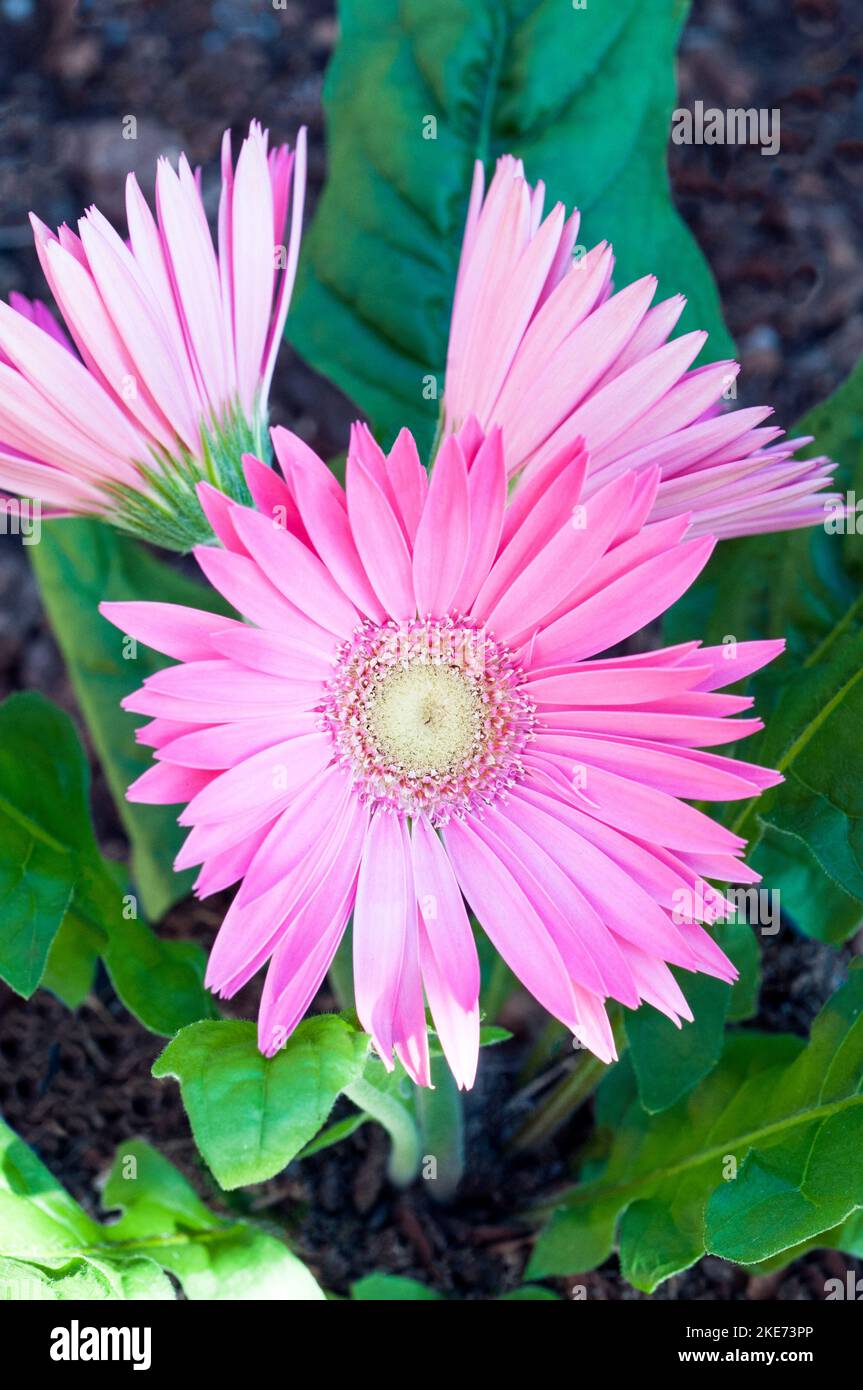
443	534
515	928
184	633
381	916
295	572
380	542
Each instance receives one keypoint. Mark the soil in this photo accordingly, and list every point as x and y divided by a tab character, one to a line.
781	235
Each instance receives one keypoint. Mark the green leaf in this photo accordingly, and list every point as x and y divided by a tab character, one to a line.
212	1257
805	586
740	942
669	1061
87	1279
530	1293
585	96
161	982
44	1204
240	1264
813	738
809	1179
78	563
62	904
72	959
762	1155
49	865
490	1035
819	907
152	1194
251	1115
393	1288
334	1134
51	1249
847	1238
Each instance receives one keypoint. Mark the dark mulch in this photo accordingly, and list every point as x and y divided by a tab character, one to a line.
782	236
781	231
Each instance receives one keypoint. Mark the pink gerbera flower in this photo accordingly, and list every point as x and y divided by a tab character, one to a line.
417	719
177	344
540	346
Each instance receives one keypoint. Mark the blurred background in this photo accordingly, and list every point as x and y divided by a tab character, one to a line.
783	237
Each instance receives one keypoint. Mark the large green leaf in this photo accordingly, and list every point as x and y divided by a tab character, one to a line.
669	1061
804	586
51	1249
250	1114
49	864
763	1155
61	903
78	563
847	1237
583	95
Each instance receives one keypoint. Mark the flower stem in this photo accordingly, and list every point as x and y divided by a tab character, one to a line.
397	1120
565	1098
552	1039
441	1122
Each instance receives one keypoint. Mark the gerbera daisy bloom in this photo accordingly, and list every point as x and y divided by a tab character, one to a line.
177	344
416	718
541	346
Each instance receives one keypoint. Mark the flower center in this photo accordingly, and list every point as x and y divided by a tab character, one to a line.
425	718
428	716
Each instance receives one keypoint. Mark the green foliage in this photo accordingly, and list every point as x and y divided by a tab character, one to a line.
79	563
393	1288
530	1293
49	865
61	904
584	96
669	1061
762	1156
250	1114
51	1249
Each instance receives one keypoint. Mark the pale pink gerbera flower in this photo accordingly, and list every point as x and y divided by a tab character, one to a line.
177	343
417	714
540	346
